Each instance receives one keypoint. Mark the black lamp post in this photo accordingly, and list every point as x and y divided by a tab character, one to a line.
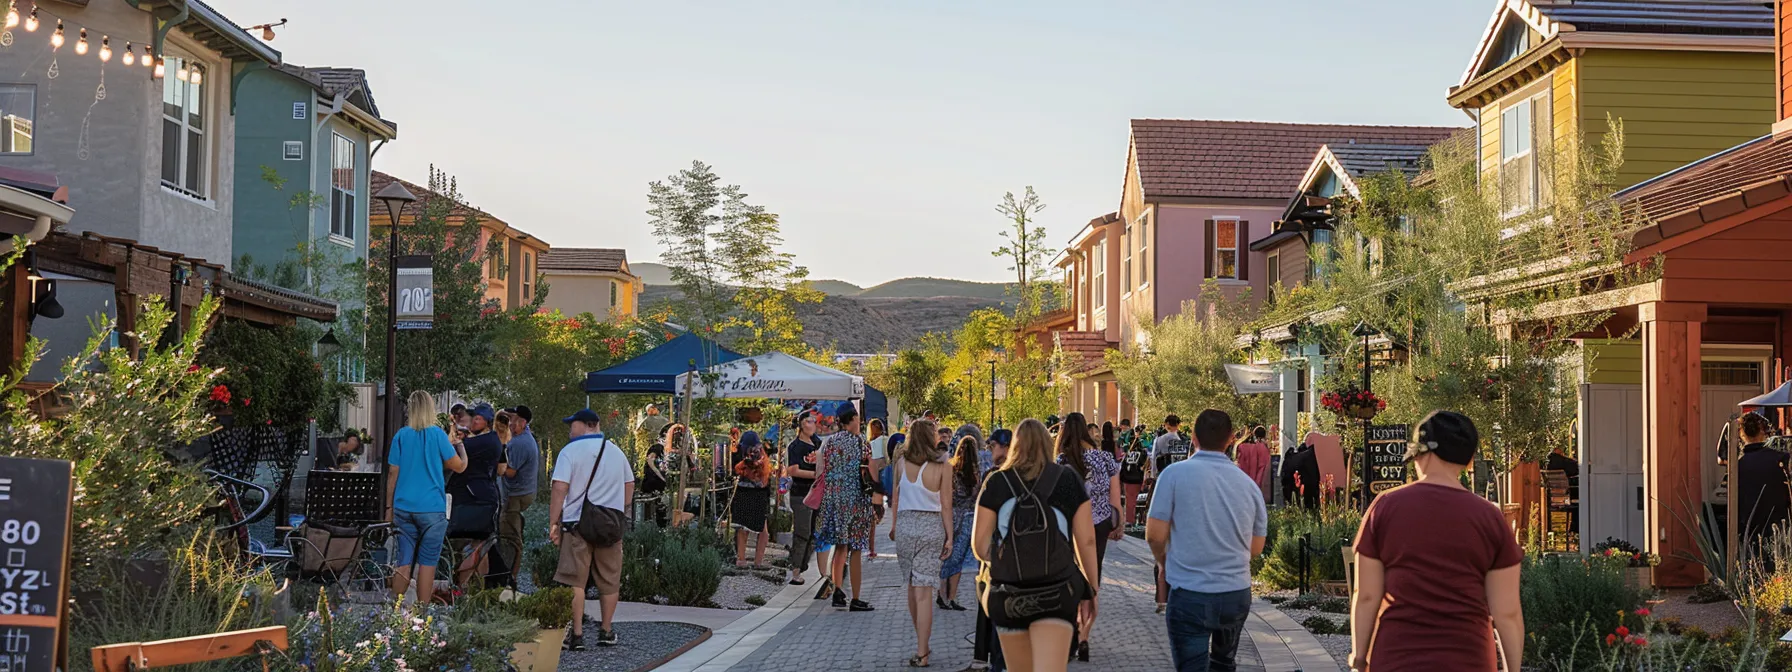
395	196
1365	331
993	355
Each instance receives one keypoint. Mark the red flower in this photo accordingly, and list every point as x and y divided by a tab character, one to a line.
221	394
245	401
270	422
1639	641
192	368
1643	611
438	374
1611	640
1622	631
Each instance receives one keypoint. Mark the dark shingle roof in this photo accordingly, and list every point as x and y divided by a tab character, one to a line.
332	81
1703	17
1368	159
1247	159
583	259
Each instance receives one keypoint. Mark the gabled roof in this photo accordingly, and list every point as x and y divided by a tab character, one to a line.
1350	162
1194	159
1086	350
377	180
592	259
1717	20
218	32
350	83
1723	184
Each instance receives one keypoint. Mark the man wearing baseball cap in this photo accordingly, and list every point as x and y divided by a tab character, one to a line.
522	464
1436	564
590	469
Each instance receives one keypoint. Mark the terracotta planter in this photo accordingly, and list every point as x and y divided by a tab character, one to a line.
541	655
1640	578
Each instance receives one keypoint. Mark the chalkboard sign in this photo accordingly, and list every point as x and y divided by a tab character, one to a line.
1384	463
35	498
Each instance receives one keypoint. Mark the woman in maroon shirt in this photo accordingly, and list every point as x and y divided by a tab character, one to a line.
1437	567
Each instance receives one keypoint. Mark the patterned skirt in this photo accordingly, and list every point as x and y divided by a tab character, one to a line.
919	540
961	560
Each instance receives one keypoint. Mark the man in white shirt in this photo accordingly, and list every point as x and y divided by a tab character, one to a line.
590	468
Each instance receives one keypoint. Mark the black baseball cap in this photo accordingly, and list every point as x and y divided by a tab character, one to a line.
1002	437
846	413
1446	434
521	412
584	415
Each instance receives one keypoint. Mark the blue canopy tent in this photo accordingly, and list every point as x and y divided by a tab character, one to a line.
654	371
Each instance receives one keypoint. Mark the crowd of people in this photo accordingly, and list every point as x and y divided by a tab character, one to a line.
1029	512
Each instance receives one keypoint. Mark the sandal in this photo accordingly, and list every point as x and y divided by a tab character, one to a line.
920	660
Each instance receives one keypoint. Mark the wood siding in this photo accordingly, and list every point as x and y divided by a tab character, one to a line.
1676	106
1613	362
1783	54
1747	265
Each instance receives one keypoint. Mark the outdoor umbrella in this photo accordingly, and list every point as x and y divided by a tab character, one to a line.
774	375
1779	397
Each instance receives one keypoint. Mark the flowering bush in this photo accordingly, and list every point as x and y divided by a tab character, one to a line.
1353	402
396	639
1618	549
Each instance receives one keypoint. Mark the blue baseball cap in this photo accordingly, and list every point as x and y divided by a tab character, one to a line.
584	415
484	410
1002	437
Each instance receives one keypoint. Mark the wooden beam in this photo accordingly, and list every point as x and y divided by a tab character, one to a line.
1591	303
187	650
15	295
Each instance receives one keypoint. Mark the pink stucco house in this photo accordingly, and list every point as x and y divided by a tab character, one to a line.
1196	194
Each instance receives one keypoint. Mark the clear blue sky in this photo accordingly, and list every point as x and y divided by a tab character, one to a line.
883	132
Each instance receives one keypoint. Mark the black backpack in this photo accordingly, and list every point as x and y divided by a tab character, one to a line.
1037	548
1132	469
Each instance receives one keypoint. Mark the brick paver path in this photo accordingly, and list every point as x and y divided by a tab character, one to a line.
1129	634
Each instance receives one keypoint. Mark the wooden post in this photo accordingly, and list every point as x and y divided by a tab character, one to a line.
15	293
1672	335
187	650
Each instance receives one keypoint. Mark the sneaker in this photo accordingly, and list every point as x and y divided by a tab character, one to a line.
1160	607
861	605
940	602
573	642
839	600
827	586
608	638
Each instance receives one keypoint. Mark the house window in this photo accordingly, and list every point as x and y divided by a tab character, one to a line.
615	288
1225	249
18	107
1722	372
1274	269
1144	248
1099	284
1525	132
528	276
298	110
292	150
1301	384
496	271
1126	277
342	186
185	121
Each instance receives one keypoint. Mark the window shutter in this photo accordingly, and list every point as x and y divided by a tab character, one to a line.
1208	252
1244	250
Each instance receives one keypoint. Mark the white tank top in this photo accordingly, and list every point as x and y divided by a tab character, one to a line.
914	495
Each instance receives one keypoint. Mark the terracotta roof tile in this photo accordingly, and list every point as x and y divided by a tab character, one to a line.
584	259
1191	158
1087	350
1745	176
378	180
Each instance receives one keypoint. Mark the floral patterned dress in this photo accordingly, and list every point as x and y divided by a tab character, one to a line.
846	518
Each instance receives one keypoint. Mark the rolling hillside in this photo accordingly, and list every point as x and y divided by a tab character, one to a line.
657	274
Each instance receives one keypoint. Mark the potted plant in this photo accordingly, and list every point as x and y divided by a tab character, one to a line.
551	609
1638	564
781	526
1353	402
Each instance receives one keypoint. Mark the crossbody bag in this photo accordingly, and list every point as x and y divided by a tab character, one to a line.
598	525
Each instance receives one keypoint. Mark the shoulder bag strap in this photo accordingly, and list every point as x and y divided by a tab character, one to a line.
602	447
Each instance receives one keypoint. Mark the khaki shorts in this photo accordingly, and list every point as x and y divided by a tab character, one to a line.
580	562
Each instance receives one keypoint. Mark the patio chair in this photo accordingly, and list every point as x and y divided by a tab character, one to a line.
341	536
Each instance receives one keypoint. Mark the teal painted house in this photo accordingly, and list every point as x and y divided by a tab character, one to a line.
305	139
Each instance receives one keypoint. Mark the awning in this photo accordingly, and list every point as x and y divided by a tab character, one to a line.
656	371
774	375
1780	397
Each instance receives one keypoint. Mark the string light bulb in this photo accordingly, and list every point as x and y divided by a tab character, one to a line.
197	77
12	16
148	58
130	55
161	68
56	38
81	43
181	72
105	49
31	21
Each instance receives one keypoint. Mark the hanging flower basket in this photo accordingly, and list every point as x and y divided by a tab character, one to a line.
1353	403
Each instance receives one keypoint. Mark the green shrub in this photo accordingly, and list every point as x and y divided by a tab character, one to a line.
543	561
548	608
1329	528
641	549
1316	602
756	600
689	573
1320	625
206	590
476	635
1570	604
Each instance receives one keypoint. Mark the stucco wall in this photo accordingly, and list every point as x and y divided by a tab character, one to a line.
573	294
173	221
1181	256
267	226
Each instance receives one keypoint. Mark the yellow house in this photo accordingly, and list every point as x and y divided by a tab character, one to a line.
1687	79
591	280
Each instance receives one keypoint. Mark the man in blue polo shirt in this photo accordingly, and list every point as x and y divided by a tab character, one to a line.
1207	520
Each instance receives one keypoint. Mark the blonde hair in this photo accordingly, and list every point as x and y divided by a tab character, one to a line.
921	450
1032	449
420	410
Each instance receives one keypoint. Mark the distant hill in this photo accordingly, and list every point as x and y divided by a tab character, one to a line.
654	274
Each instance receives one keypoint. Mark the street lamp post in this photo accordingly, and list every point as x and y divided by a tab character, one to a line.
1364	330
993	356
395	196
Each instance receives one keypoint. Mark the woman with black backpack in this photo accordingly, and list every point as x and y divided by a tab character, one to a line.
1038	554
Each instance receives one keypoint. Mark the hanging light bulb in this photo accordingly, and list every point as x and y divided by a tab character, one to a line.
130	53
81	43
161	69
31	21
148	58
105	49
181	72
12	16
198	76
56	38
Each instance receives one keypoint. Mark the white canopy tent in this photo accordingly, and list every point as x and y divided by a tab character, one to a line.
773	375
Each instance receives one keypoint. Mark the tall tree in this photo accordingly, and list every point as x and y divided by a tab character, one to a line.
1024	246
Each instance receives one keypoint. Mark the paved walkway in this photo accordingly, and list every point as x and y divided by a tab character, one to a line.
795	632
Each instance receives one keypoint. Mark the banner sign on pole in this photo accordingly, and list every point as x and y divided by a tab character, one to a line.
1384	461
1252	379
36	497
416	292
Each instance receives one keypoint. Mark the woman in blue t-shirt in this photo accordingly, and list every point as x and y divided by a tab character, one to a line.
417	493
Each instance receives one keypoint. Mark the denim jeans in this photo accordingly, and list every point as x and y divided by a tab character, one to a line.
419	537
1204	629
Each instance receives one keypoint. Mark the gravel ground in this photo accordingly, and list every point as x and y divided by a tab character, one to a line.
1712	617
638	645
1301	615
1336	645
737	587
